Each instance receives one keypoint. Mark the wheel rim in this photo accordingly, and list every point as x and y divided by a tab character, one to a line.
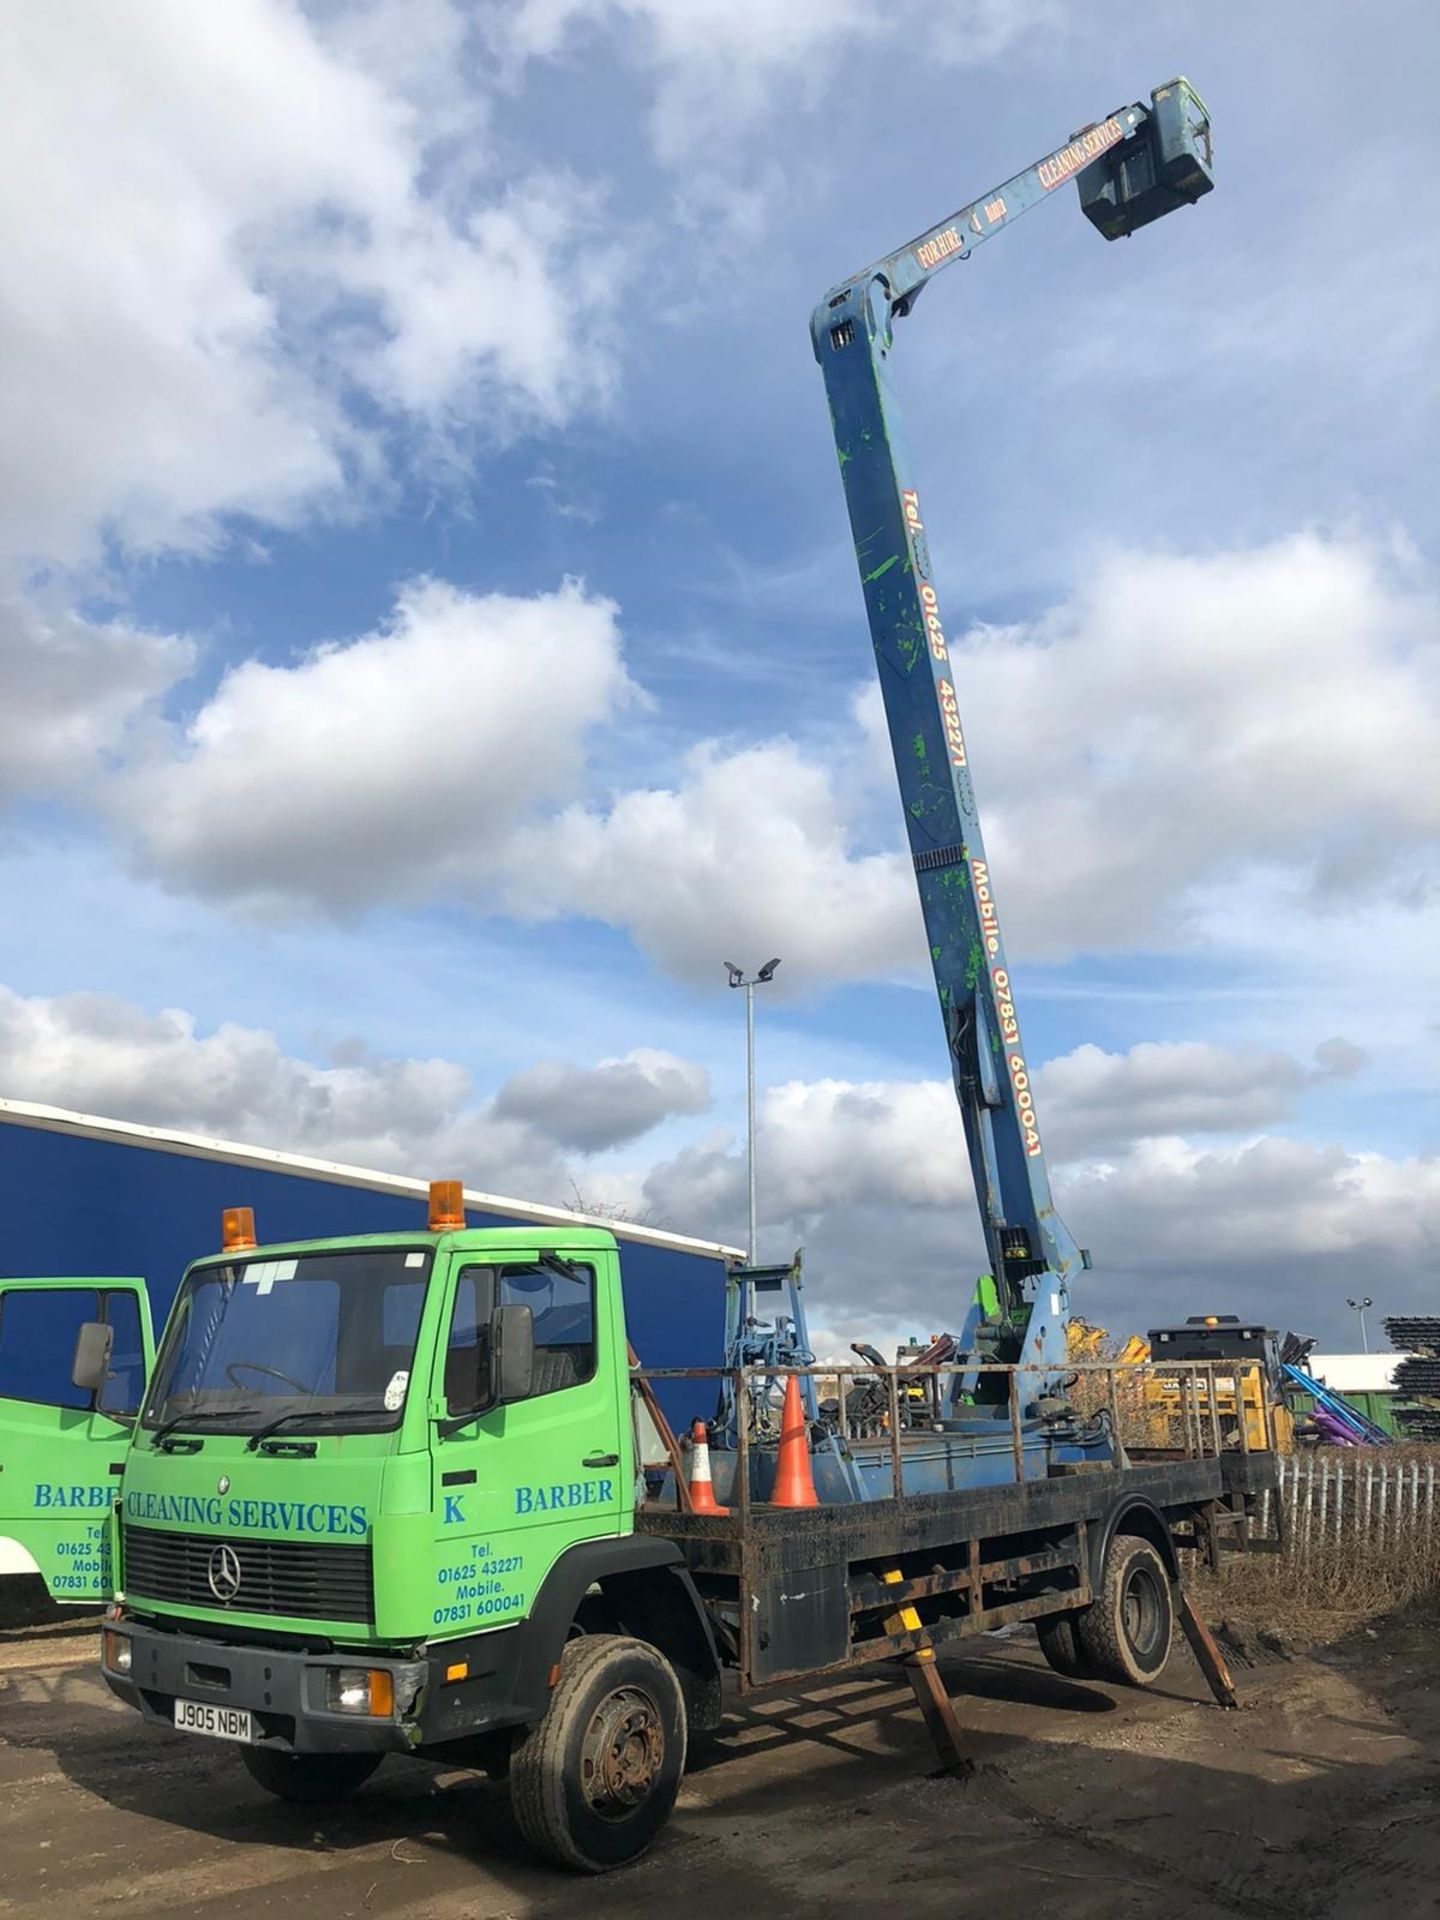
1142	1613
622	1753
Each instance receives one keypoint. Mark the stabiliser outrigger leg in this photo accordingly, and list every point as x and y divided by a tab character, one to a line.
1205	1648
937	1709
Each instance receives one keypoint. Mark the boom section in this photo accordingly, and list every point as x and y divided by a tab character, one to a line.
1130	168
906	273
993	1082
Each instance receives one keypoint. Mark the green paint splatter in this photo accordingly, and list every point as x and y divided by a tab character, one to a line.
884	567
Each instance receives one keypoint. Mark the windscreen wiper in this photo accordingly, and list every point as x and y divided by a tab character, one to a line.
304	1413
162	1433
567	1269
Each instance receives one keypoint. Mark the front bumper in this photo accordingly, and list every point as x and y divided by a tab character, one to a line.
285	1691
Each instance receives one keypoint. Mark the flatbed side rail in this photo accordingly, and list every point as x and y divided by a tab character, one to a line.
1136	1411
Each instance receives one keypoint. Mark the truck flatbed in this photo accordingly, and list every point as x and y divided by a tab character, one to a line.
806	1590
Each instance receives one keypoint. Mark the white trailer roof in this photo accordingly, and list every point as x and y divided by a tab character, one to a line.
197	1146
1354	1372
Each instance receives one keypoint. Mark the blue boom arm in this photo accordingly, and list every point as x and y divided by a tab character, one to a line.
1131	168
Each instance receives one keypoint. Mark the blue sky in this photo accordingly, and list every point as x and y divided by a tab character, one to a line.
338	340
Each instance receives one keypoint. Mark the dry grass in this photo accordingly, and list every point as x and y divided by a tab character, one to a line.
1322	1586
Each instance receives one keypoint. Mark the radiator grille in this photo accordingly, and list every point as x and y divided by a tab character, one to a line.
299	1579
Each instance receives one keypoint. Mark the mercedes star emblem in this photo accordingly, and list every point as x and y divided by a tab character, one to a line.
223	1573
222	1485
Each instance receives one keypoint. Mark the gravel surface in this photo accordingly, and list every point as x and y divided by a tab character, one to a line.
1319	1798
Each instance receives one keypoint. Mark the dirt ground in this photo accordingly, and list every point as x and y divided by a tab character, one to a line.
1320	1797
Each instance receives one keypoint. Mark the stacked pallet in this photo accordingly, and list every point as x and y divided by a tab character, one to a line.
1414	1333
1417	1335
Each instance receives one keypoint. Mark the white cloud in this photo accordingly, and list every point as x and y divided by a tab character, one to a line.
104	1055
222	231
100	1054
719	61
1282	726
837	1144
1180	723
1195	719
391	765
73	689
753	848
1184	717
607	1105
1093	1100
873	1178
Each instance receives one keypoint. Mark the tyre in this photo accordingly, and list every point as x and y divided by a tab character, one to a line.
309	1779
1061	1646
594	1781
1125	1634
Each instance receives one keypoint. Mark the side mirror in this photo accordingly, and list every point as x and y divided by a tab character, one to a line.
90	1368
512	1355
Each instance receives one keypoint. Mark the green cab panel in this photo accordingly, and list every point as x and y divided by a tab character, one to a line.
62	1448
519	1484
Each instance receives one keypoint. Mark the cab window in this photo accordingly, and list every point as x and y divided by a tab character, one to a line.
124	1386
467	1346
37	1344
563	1304
563	1307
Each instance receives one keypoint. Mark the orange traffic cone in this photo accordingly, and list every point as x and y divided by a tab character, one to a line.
702	1487
794	1482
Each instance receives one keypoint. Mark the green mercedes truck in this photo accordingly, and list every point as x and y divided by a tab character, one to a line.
377	1486
389	1494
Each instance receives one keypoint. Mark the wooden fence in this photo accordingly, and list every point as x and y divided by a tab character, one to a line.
1357	1500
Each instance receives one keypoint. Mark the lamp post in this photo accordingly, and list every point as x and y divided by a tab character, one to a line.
1360	1306
737	979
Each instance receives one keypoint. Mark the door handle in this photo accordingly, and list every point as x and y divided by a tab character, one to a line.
601	1460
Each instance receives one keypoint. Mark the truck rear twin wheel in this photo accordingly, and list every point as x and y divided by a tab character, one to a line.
594	1781
309	1779
1061	1646
1125	1634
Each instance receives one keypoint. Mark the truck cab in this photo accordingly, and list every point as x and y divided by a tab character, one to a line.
374	1483
65	1424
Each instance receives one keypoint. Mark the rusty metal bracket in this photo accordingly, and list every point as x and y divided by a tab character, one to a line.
641	1386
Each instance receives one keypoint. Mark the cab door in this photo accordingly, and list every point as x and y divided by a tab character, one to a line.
63	1447
516	1485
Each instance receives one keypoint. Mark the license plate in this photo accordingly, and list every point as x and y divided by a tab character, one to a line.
220	1723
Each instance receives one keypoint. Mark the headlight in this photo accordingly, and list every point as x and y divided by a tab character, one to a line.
116	1650
367	1690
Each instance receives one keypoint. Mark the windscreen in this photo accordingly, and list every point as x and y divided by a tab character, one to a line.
316	1335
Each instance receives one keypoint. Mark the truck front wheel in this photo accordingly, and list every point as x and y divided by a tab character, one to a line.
1125	1634
594	1781
309	1779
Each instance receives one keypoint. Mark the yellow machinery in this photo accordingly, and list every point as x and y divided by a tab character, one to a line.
1160	1410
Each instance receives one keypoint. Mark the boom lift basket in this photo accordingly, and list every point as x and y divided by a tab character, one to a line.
1166	164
